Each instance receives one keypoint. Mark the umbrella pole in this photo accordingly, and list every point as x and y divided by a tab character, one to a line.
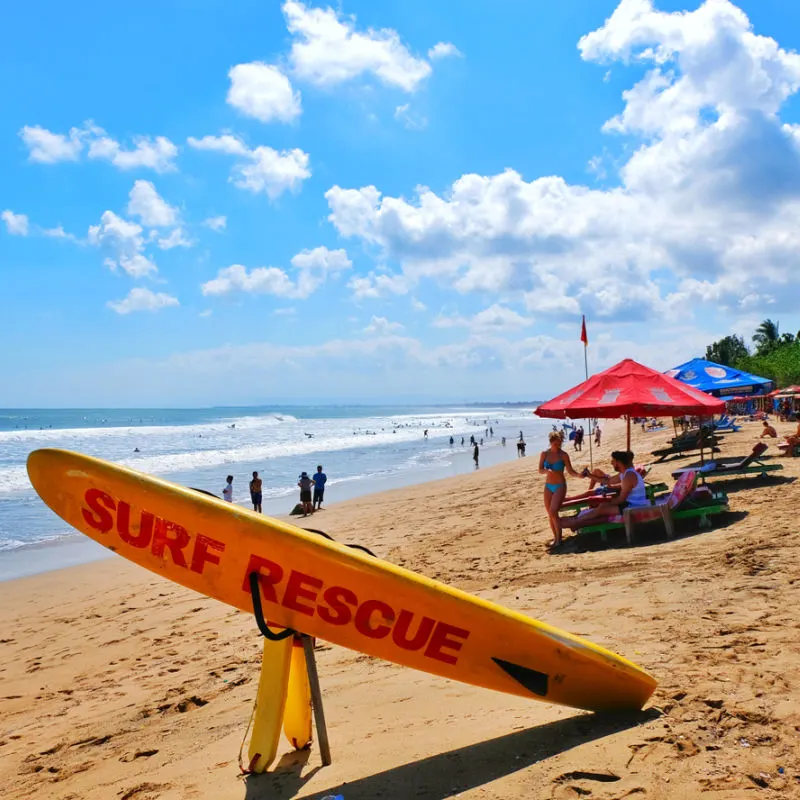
591	457
629	433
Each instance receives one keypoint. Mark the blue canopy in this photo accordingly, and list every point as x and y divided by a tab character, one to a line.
719	380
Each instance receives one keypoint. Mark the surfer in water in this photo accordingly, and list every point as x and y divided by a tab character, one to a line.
554	463
255	492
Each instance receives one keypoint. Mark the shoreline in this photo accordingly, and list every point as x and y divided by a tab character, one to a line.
74	548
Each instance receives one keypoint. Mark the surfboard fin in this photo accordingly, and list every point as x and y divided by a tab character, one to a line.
531	679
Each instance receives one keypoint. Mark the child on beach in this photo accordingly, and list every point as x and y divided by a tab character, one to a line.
227	492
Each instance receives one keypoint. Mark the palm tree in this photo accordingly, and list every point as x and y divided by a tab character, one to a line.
767	335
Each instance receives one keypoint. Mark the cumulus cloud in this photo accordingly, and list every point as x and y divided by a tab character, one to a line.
711	193
375	285
156	153
148	205
142	300
16	224
261	169
264	92
216	223
124	238
312	268
46	147
327	49
380	326
443	50
49	148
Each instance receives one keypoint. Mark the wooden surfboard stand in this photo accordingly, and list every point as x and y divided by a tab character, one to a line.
311	667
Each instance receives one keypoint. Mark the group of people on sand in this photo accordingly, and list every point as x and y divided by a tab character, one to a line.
312	501
309	501
555	464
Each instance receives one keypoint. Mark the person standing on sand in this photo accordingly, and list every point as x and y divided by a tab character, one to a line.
597	435
554	463
320	479
255	492
227	492
475	456
305	483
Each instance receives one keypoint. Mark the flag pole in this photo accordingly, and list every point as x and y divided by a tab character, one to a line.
585	340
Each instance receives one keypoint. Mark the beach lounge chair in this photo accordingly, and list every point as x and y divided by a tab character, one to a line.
750	465
726	424
683	502
681	448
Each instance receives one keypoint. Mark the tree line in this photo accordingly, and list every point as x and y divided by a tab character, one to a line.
774	355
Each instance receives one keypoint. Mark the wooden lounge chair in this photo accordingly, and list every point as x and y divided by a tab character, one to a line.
750	465
683	502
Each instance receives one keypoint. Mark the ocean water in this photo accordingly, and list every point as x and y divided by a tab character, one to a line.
362	450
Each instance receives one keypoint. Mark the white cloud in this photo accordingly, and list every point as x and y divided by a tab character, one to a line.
50	148
418	305
320	258
264	92
261	280
496	318
216	223
125	240
313	268
285	312
328	49
142	300
156	153
59	233
147	204
380	326
137	265
711	193
443	50
377	285
410	119
205	313
176	238
262	168
16	224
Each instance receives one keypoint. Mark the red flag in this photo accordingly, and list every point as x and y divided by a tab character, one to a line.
584	337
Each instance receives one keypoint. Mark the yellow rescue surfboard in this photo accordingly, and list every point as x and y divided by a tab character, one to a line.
330	591
270	703
297	714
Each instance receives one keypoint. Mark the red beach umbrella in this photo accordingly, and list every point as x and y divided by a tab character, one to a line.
630	389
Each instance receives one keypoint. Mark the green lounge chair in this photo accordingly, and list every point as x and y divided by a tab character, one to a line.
683	502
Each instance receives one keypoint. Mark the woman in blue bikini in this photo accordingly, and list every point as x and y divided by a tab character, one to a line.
554	463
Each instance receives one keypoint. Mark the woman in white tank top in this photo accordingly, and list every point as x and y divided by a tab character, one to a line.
632	493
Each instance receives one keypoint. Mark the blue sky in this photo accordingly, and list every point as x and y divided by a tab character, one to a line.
230	203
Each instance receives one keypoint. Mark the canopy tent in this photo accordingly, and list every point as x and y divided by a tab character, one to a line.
719	380
630	389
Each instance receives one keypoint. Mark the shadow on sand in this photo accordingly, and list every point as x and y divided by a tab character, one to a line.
447	774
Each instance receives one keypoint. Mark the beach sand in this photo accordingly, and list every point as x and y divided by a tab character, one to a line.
117	684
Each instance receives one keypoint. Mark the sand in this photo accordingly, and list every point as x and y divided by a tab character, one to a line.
117	684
